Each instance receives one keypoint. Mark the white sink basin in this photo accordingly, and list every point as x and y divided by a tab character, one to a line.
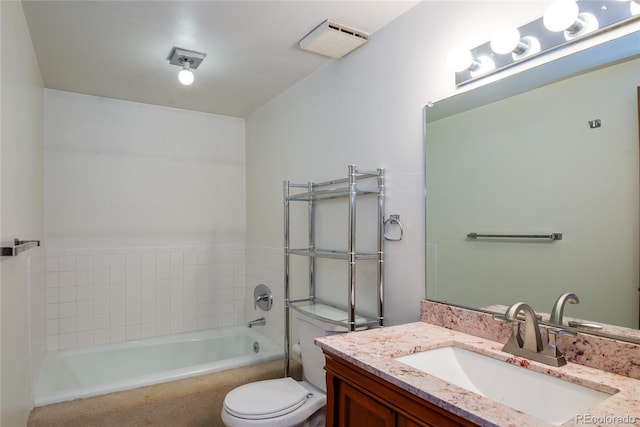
542	396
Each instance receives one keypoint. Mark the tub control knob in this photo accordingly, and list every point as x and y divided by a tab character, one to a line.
262	297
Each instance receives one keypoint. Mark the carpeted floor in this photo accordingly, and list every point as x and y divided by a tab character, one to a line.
190	402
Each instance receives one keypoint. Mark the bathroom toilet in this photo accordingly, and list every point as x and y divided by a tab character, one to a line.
285	402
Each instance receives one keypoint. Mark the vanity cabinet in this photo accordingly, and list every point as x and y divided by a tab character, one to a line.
356	397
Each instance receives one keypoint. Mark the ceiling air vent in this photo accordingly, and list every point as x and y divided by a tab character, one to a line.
333	40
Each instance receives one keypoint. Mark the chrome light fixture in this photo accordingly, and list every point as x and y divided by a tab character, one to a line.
564	22
188	60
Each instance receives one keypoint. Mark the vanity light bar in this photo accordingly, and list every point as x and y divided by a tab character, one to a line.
605	15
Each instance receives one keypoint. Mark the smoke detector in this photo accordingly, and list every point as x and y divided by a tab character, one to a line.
333	40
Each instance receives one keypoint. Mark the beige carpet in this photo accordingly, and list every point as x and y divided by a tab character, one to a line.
190	402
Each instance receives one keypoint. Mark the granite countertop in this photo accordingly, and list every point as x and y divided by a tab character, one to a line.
374	351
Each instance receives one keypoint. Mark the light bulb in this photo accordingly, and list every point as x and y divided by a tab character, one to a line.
185	76
482	65
506	40
560	15
460	60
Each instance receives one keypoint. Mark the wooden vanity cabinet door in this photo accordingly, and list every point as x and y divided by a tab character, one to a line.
357	398
358	409
406	422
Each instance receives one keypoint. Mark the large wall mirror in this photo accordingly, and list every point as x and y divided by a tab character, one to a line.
559	158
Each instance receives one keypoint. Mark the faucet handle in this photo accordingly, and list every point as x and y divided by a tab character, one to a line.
262	298
586	325
502	318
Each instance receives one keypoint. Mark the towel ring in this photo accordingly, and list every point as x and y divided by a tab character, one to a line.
395	220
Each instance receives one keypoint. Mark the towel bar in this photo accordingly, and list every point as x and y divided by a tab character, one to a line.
552	236
19	246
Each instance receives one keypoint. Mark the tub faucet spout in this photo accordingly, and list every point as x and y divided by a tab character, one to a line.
258	322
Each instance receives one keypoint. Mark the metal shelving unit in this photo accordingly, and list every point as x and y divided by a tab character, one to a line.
346	188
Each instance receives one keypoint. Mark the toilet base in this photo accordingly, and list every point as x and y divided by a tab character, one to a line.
317	419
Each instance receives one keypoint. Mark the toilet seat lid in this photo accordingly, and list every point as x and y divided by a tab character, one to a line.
265	399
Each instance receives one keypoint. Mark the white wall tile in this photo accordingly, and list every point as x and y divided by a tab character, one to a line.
53	327
101	336
133	260
67	263
52	263
101	261
67	293
112	295
85	262
67	309
53	342
68	341
67	278
118	334
117	261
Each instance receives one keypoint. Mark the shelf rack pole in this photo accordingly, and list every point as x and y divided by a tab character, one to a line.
381	214
312	246
287	320
353	191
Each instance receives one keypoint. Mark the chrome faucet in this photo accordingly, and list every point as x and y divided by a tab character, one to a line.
532	339
258	322
558	306
531	347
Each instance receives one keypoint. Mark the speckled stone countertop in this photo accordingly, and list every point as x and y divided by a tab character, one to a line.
374	351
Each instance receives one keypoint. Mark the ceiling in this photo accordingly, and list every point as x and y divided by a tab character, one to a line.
119	49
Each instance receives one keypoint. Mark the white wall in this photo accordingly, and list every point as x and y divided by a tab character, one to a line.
367	109
127	174
145	213
21	151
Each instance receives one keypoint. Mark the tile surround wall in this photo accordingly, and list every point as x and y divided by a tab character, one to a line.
266	265
111	295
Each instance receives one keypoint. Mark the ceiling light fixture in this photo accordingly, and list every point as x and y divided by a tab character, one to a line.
564	22
188	60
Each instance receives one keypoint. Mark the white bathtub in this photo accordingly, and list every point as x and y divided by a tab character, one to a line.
77	373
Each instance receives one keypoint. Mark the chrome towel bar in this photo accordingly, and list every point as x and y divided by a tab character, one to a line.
552	236
19	246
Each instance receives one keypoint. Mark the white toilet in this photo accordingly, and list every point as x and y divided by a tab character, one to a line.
285	402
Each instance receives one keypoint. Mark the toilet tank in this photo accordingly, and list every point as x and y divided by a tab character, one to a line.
310	328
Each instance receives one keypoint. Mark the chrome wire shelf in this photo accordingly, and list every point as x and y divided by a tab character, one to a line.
331	254
337	193
330	313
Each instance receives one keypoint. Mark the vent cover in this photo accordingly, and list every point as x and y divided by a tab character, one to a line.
333	40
